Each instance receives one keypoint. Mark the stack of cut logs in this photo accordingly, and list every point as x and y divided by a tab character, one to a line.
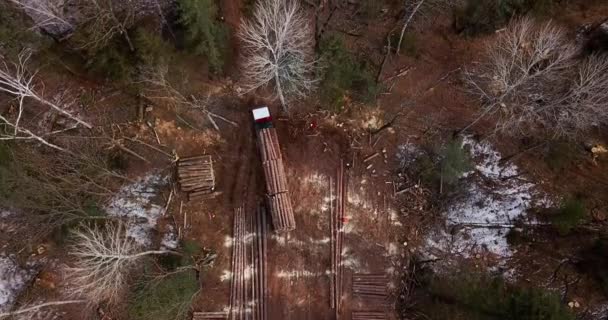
195	176
209	315
249	285
336	221
368	315
281	209
370	287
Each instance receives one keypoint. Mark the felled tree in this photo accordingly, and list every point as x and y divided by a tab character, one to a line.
104	259
18	82
533	81
278	49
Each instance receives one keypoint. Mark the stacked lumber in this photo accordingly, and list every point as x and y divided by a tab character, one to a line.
195	176
209	315
281	210
269	144
249	281
275	176
280	205
258	262
336	221
368	315
371	287
238	299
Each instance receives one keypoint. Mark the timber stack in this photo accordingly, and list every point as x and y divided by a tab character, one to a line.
195	176
372	288
369	315
279	202
210	315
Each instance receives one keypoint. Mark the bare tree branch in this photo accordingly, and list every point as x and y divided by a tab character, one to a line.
532	80
37	307
16	81
47	14
104	259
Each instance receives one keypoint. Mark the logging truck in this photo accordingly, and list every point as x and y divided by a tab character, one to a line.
279	203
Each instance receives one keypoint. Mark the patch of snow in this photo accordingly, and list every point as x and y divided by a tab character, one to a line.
228	242
393	249
226	275
13	280
134	202
407	154
394	218
350	261
497	196
317	180
295	274
599	312
169	240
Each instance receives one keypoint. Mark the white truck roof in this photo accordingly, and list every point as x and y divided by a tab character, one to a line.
261	113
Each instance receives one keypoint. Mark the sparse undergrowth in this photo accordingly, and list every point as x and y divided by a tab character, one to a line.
205	34
481	16
571	213
344	76
472	296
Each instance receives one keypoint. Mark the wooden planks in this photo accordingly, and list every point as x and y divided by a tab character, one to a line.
248	292
369	315
373	288
209	315
195	176
275	176
337	239
281	210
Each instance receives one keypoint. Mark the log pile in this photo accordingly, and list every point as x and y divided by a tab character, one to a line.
195	176
371	287
249	282
281	205
275	176
369	315
209	315
281	209
336	221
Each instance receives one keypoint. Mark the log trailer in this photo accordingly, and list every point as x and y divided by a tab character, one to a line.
281	210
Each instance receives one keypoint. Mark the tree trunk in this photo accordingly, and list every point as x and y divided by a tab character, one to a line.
280	92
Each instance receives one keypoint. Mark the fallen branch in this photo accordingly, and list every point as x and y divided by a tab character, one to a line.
40	306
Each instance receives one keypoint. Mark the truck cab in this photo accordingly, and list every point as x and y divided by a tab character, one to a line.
262	118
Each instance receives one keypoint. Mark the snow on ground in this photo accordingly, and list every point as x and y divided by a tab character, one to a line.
13	280
134	202
169	240
496	196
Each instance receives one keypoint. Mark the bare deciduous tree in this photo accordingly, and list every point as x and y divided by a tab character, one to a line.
527	82
587	100
419	11
158	87
278	49
17	81
104	19
104	259
48	15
